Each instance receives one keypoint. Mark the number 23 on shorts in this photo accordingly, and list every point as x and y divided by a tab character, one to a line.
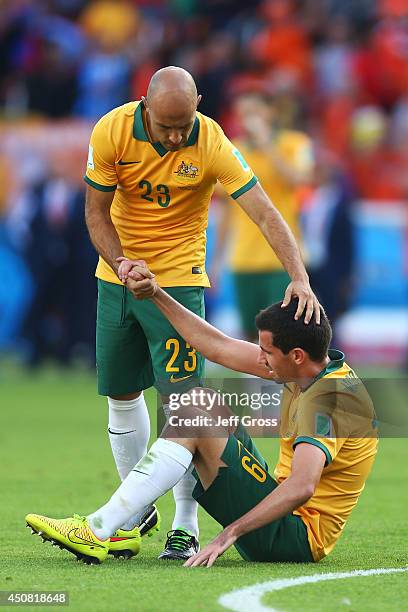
189	364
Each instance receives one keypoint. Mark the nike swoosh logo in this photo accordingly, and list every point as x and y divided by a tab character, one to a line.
76	539
121	539
173	379
140	472
126	163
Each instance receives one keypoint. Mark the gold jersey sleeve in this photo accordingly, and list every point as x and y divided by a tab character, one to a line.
232	170
101	165
337	408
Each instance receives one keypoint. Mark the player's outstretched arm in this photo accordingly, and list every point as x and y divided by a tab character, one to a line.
260	209
208	340
306	470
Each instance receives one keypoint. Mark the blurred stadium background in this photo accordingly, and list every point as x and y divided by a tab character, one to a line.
335	69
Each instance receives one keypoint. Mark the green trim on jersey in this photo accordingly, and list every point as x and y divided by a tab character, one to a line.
192	139
139	132
158	147
336	362
245	188
314	442
98	186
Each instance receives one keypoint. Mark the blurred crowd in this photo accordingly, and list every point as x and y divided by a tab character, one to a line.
338	67
334	69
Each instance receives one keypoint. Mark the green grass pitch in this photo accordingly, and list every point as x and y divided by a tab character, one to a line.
55	459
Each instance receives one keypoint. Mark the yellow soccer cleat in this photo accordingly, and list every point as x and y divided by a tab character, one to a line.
73	534
127	543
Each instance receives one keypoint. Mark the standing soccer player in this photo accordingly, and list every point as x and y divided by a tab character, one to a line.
152	167
283	161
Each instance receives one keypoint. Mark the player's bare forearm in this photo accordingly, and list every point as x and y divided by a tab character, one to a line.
282	501
307	465
288	496
196	331
278	234
105	240
210	342
101	230
259	208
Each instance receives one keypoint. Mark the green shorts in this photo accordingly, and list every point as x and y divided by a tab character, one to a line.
137	347
257	290
241	486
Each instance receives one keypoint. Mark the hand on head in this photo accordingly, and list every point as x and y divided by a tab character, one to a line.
307	300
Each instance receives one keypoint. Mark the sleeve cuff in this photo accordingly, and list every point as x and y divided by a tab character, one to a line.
315	443
245	188
98	186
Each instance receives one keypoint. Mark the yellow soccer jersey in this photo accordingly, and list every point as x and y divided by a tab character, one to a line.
336	414
250	251
160	206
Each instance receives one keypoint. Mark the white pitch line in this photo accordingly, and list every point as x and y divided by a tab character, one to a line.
249	598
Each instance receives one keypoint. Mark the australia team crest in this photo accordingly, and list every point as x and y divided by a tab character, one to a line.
187	170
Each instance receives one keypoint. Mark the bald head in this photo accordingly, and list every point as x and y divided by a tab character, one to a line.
171	105
172	81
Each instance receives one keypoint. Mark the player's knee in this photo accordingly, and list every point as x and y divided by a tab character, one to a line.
203	407
187	419
190	422
209	401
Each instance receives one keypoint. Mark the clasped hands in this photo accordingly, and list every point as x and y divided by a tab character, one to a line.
137	277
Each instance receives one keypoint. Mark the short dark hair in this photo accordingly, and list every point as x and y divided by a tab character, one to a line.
289	333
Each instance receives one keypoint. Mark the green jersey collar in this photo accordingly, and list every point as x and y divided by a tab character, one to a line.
192	139
336	362
139	132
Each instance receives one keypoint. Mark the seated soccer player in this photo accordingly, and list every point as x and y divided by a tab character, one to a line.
326	449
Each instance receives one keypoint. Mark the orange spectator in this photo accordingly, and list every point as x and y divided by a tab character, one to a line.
284	42
110	22
381	65
335	119
376	167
